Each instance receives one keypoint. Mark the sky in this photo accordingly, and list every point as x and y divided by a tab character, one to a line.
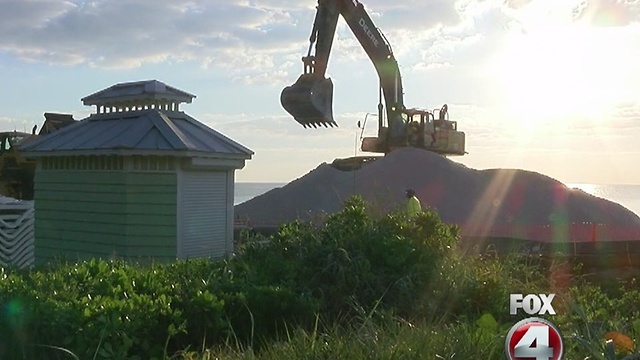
542	85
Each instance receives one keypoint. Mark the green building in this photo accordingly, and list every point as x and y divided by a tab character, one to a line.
138	179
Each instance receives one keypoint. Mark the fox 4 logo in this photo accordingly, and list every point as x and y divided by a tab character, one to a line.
533	338
532	304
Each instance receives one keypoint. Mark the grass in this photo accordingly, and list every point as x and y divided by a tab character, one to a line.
395	339
402	340
587	314
376	333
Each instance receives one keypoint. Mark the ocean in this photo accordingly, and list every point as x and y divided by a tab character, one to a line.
625	195
245	191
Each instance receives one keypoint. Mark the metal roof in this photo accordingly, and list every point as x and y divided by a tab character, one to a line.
135	91
146	131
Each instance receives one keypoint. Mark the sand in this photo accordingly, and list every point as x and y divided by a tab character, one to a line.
460	195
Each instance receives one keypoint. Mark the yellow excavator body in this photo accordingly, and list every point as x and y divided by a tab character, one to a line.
309	100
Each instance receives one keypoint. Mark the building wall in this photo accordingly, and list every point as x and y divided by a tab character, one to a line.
203	213
78	214
89	213
151	226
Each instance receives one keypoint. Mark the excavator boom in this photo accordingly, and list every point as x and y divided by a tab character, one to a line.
310	99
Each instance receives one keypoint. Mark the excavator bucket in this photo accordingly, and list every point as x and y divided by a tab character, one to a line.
310	101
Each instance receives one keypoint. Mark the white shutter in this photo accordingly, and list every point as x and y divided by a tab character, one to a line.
204	213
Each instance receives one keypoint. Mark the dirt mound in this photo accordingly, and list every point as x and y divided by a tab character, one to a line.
460	195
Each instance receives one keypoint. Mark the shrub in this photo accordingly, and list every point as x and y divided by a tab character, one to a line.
467	286
355	260
368	279
113	310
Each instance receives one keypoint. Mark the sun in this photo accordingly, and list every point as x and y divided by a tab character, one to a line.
560	72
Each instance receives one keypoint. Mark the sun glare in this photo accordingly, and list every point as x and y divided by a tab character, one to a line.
560	72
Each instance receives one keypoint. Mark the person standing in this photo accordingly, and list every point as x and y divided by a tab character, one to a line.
413	203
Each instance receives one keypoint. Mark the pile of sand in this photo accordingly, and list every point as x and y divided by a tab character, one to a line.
460	195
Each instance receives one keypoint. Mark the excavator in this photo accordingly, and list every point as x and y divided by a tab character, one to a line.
310	99
17	172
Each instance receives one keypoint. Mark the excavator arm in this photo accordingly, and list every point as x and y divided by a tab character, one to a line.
309	100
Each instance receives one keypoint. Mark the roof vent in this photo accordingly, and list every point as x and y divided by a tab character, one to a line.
136	96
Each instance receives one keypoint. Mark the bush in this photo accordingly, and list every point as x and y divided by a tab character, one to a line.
354	260
357	285
468	286
112	310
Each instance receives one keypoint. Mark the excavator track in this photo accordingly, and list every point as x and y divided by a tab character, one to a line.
353	163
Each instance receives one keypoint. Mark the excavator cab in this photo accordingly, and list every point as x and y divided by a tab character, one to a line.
310	101
423	131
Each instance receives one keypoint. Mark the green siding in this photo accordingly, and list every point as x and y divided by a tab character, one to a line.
151	224
81	214
150	219
100	205
98	218
76	226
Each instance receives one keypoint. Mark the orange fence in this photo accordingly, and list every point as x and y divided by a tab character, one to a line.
576	232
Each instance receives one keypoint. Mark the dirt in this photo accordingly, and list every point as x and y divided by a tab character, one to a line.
460	194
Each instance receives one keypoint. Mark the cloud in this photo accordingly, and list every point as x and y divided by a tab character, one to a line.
415	15
610	13
8	123
128	33
278	77
452	34
517	4
282	127
626	116
424	66
284	149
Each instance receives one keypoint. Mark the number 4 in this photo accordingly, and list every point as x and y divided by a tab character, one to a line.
541	351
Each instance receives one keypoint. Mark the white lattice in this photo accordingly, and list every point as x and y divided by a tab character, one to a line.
16	232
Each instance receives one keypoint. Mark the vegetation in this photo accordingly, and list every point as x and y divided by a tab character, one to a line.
358	287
